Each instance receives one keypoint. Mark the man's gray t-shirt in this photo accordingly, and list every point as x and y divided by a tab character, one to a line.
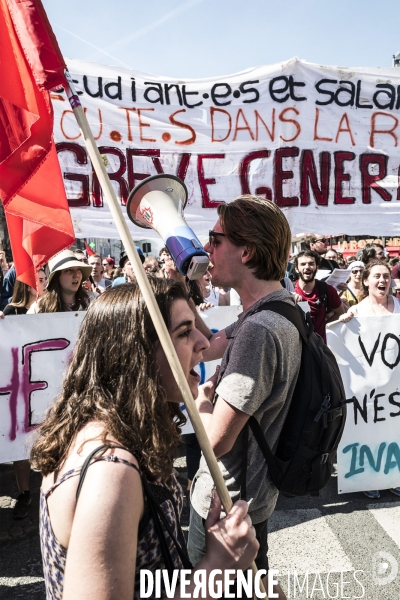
258	375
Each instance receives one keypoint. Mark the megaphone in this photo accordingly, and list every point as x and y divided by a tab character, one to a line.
158	203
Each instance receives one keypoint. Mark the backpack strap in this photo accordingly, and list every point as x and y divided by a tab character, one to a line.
322	287
265	449
294	314
354	296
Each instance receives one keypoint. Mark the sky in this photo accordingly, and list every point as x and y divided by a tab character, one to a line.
206	38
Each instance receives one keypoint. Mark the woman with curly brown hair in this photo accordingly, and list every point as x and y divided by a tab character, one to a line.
118	414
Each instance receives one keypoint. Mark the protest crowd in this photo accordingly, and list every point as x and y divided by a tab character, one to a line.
103	412
136	331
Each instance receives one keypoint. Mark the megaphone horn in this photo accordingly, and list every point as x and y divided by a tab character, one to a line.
157	203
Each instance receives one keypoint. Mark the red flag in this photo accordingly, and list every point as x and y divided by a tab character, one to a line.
89	251
31	184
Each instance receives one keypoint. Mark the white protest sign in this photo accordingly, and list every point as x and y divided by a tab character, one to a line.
321	142
216	319
34	350
367	350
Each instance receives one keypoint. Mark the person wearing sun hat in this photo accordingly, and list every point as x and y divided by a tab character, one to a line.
64	287
354	291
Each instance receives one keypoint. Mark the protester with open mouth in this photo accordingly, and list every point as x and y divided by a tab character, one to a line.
118	414
323	299
64	288
376	298
377	301
248	246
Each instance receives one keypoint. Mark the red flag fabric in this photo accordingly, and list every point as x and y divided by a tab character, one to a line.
31	185
89	251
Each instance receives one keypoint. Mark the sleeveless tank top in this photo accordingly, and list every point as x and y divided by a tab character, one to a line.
213	297
149	552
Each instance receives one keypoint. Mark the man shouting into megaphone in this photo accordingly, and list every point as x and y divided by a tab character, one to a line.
248	247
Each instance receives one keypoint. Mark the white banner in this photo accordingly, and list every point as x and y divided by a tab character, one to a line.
321	142
368	353
34	350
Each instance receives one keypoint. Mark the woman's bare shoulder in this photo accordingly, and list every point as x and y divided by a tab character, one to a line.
102	486
88	439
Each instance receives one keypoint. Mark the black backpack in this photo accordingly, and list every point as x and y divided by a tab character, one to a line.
303	461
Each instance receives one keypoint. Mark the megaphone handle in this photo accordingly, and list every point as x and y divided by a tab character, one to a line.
147	292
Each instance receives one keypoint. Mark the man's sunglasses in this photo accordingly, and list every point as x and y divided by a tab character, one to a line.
323	240
212	236
357	271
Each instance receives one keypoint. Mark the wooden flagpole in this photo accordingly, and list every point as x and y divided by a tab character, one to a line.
147	292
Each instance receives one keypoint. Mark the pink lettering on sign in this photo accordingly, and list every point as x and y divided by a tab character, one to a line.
12	389
29	386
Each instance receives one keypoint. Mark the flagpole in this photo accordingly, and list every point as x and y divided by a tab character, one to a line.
147	292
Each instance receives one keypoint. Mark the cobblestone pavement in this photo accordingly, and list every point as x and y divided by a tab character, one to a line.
21	573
